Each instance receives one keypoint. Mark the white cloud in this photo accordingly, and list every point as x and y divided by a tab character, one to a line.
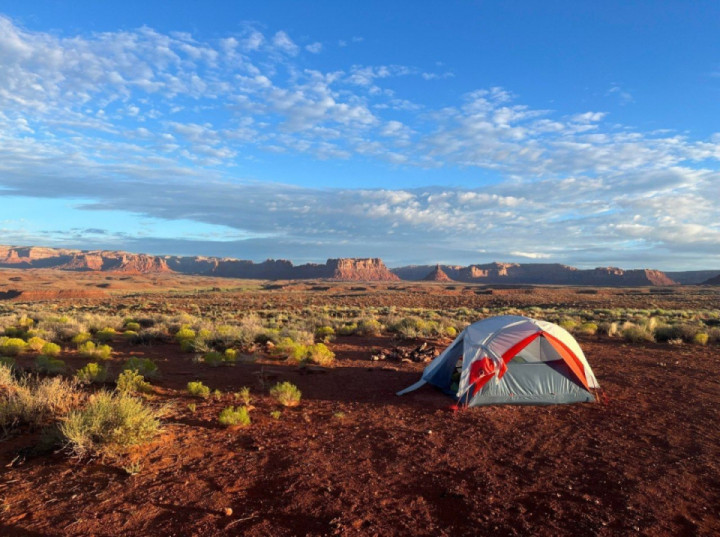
315	48
162	123
282	41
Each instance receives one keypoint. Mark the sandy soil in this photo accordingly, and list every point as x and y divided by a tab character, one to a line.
356	460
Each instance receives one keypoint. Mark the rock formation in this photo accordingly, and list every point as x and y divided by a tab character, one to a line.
437	275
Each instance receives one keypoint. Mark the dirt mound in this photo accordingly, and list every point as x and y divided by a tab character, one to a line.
437	275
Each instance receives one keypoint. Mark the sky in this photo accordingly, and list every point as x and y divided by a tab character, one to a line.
576	132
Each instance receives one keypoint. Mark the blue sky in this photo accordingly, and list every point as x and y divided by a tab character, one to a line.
585	133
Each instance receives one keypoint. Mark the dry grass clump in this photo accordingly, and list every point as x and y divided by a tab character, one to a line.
234	416
198	389
286	393
34	401
110	423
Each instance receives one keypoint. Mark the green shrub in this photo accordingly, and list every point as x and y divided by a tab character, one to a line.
213	358
324	333
11	346
287	394
230	355
636	334
198	389
290	349
90	350
276	414
49	365
105	335
81	338
451	331
145	366
701	338
6	361
132	326
588	329
51	349
347	329
91	373
185	334
109	424
568	324
369	327
244	395
36	343
232	416
320	354
130	381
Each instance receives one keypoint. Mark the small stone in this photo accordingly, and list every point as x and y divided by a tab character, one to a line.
227	511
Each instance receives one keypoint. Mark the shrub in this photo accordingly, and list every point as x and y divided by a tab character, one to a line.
213	358
51	349
105	335
110	423
132	326
588	329
347	329
49	365
701	338
36	343
130	381
12	346
287	394
198	389
567	324
81	338
275	414
289	348
90	350
230	355
34	401
320	354
244	395
324	333
369	327
185	334
145	366
636	333
91	373
451	331
232	416
6	361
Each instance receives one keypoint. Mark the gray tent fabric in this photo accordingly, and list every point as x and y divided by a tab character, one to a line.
521	361
540	383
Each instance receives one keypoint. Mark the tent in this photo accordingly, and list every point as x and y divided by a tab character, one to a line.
512	359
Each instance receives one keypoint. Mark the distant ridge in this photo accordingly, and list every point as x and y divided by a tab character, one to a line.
372	269
341	269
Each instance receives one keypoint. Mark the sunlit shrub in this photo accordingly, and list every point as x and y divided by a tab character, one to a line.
234	416
286	394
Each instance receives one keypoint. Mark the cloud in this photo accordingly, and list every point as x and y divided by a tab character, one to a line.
624	96
282	42
315	48
167	126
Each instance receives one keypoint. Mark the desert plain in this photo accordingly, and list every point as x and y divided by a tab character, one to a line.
352	458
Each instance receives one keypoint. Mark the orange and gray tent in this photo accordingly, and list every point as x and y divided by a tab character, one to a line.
512	359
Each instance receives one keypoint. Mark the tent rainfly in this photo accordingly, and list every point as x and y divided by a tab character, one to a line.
512	359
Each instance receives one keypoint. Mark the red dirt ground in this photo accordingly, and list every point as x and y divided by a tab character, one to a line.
354	459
